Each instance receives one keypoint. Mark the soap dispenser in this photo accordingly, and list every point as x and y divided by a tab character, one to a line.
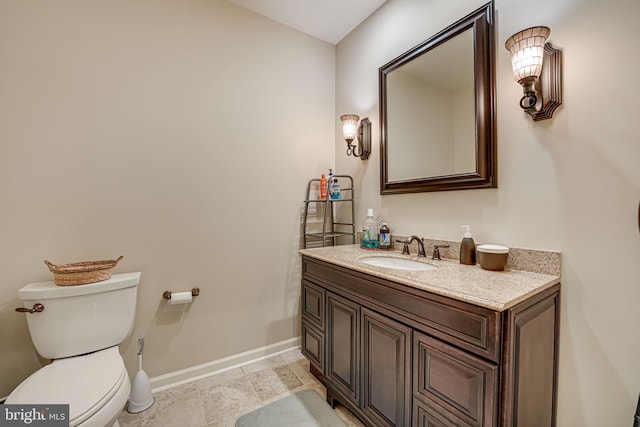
467	248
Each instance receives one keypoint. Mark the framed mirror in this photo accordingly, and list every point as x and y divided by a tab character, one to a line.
437	111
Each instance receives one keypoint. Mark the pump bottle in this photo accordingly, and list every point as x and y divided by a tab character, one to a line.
467	248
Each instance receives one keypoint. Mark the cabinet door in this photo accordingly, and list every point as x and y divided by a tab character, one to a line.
456	380
386	351
312	344
313	304
343	346
531	360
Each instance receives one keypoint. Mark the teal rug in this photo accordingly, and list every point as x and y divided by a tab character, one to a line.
303	409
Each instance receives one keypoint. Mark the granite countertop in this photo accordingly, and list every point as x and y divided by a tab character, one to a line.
496	290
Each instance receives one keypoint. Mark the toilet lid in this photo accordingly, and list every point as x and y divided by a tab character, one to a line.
86	383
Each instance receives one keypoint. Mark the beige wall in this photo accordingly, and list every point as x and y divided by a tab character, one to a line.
177	133
570	184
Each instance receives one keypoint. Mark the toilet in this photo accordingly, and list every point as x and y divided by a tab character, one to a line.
80	329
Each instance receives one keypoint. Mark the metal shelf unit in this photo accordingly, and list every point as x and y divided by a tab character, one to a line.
331	229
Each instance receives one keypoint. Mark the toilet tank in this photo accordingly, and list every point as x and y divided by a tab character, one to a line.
81	319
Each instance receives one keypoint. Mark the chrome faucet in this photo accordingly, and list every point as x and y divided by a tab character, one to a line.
411	239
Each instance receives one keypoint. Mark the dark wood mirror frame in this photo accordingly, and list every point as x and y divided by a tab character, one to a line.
482	24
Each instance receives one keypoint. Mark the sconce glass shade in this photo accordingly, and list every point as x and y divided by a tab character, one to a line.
537	67
351	130
527	52
349	126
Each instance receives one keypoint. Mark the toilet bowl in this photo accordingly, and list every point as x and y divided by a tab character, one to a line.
80	329
95	386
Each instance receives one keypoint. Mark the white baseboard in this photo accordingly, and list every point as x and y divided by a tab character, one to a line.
198	372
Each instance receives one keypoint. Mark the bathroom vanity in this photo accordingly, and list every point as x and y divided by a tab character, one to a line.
457	345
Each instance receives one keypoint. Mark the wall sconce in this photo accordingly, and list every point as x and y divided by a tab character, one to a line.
537	66
350	130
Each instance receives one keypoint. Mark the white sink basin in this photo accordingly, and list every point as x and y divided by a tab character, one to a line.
397	263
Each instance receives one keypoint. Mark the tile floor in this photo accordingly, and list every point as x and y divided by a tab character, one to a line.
220	399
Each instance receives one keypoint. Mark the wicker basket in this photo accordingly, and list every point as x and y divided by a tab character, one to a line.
81	273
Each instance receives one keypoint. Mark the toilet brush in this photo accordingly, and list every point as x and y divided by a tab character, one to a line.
141	397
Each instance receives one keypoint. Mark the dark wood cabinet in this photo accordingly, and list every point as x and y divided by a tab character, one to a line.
312	345
313	304
401	356
343	349
530	362
312	325
430	415
386	354
463	384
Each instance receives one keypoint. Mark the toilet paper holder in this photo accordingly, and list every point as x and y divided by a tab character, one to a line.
194	292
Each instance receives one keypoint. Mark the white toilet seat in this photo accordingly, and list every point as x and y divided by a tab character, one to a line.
96	386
